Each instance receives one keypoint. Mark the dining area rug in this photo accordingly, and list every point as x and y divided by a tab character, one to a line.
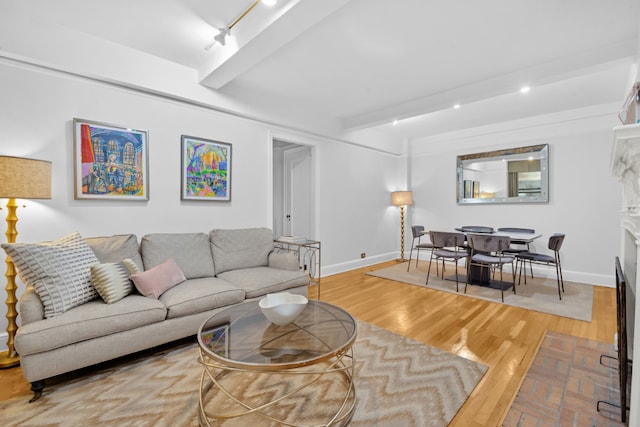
539	294
398	381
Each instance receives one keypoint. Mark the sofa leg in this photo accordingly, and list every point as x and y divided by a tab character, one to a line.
36	388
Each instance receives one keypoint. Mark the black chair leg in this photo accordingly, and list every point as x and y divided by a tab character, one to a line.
429	269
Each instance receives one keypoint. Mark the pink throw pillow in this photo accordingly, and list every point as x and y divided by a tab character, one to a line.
157	280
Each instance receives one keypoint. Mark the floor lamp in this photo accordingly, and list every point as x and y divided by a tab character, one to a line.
401	198
19	179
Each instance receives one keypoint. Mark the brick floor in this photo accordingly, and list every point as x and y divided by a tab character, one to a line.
563	384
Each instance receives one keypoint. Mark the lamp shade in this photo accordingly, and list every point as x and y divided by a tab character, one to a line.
22	178
401	198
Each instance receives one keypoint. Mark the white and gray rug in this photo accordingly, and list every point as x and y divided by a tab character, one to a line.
540	294
398	381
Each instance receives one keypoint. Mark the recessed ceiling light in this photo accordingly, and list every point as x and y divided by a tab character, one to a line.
525	89
269	2
456	106
395	122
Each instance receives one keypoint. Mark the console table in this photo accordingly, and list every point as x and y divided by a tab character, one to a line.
309	256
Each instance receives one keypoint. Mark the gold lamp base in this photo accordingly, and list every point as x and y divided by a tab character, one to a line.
7	361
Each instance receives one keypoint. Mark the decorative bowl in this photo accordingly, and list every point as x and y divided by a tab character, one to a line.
283	307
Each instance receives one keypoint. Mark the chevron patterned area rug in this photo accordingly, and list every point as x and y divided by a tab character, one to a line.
398	382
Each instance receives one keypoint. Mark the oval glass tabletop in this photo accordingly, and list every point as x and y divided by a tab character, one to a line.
242	337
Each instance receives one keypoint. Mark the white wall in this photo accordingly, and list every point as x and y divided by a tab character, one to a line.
585	199
36	112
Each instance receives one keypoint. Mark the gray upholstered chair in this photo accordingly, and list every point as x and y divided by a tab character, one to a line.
448	246
555	243
519	246
487	251
417	231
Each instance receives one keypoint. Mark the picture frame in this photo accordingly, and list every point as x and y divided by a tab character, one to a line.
206	168
217	339
110	161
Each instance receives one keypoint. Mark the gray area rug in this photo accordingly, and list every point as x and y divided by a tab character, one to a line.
539	294
398	381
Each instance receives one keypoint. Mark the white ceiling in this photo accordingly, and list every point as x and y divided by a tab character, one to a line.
362	63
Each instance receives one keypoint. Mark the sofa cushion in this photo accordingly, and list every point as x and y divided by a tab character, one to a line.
157	280
260	281
284	261
191	252
116	248
242	248
111	279
58	270
91	320
198	295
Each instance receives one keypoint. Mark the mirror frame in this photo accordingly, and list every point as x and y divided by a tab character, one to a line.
542	149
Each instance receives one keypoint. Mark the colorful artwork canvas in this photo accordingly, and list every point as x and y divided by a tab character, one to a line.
206	169
110	162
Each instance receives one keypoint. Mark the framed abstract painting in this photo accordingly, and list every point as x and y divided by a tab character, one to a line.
111	162
206	169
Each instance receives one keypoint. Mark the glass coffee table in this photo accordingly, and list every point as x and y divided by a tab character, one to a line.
253	368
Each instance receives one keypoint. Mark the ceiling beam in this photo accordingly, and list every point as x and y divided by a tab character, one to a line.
294	19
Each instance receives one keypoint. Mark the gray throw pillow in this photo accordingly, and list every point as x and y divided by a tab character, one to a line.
59	271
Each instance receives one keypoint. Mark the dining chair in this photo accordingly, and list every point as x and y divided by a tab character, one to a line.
518	246
555	243
447	247
417	231
488	251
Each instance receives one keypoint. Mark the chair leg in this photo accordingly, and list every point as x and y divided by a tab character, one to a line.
468	276
410	253
501	284
558	279
457	275
560	269
429	269
513	273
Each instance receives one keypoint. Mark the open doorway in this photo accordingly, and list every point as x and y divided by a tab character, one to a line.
293	190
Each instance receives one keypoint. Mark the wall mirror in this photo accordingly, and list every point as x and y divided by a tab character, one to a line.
514	175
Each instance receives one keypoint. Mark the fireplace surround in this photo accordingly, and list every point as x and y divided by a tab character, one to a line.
625	165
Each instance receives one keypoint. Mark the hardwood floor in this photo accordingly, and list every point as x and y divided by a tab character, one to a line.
502	337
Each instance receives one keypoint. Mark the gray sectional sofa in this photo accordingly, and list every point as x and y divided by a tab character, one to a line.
221	268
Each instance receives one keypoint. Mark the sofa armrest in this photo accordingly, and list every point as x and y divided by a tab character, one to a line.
30	306
284	261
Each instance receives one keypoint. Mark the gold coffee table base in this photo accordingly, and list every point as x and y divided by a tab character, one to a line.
220	385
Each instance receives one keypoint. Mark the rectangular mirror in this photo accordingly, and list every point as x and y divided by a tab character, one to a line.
514	175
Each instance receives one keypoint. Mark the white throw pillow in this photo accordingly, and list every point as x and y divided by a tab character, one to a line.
60	271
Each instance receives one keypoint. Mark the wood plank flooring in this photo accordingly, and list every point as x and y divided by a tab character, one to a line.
502	337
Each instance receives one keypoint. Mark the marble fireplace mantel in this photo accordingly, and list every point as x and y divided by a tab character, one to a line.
625	165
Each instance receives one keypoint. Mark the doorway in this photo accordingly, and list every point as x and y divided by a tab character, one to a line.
293	189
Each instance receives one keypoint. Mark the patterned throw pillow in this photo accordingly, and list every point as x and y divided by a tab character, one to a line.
111	279
60	271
